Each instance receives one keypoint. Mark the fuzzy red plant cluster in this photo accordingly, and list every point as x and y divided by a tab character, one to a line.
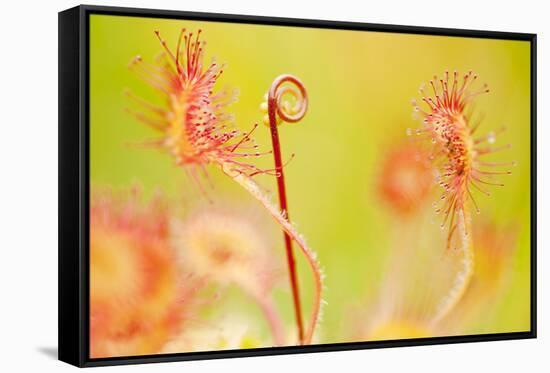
194	125
457	151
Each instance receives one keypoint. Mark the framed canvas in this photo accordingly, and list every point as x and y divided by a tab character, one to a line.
236	186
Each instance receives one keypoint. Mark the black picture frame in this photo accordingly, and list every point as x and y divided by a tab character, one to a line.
73	150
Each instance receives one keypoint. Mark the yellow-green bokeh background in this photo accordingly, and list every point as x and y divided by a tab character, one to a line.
360	86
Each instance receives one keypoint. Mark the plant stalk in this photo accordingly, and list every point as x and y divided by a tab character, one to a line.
291	262
462	279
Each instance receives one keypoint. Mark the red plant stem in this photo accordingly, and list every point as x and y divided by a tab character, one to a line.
272	111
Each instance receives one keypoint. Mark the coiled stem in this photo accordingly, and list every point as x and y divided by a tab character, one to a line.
278	111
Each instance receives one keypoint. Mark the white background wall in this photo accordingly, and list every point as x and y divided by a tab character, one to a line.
28	185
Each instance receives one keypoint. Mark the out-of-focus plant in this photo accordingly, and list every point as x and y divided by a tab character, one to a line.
406	178
226	247
139	298
151	268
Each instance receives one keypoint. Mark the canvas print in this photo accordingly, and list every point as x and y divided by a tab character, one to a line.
259	186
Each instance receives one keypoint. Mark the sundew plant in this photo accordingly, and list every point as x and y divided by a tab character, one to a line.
460	157
259	186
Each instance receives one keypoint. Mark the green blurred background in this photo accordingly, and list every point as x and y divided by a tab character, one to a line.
360	86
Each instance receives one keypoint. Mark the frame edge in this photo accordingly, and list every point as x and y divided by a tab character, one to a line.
69	248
